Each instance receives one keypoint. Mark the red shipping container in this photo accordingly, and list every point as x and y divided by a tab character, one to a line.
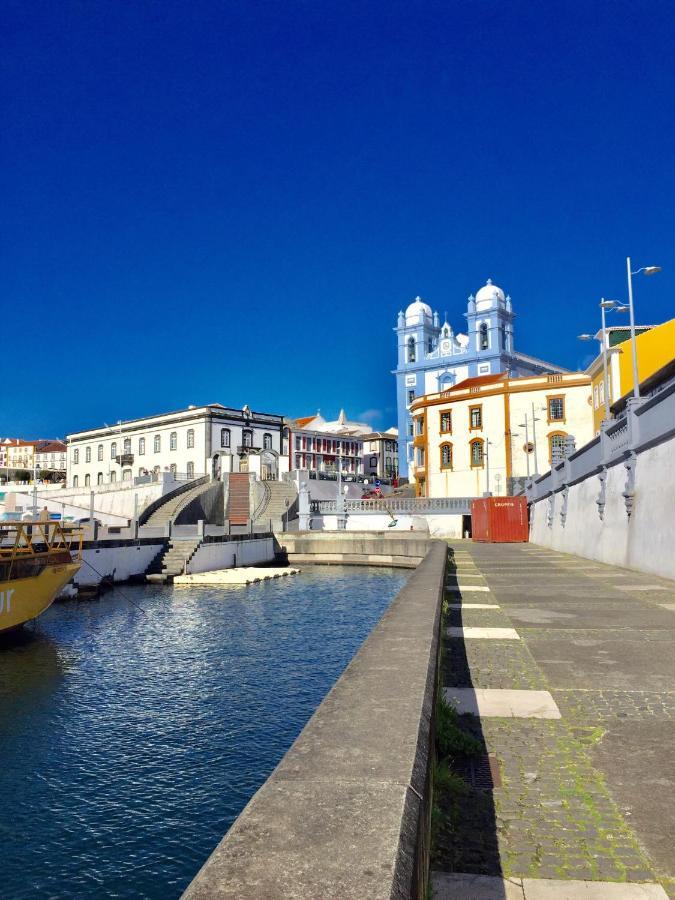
499	520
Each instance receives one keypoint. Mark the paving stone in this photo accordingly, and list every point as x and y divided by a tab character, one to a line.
485	702
449	886
489	634
539	889
473	606
583	796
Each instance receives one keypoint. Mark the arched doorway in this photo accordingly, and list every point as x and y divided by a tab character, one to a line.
269	465
215	467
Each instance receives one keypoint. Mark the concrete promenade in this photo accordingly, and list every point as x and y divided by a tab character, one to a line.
565	670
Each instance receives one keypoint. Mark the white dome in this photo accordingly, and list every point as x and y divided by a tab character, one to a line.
417	312
489	293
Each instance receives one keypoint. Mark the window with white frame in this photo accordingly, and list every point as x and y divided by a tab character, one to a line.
113	450
157	444
99	452
190	438
225	437
173	440
141	446
267	441
87	454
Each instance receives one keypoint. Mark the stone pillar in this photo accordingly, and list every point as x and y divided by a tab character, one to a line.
303	507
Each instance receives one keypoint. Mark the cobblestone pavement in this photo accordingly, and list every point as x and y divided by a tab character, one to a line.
588	796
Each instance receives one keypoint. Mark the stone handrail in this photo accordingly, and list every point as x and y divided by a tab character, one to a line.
646	422
347	812
413	505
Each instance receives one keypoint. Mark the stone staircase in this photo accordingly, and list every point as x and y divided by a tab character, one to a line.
238	499
171	562
274	507
169	511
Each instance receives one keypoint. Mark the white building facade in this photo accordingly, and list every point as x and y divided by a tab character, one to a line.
488	434
380	455
319	446
206	440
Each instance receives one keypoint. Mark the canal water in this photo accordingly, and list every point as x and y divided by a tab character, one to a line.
134	728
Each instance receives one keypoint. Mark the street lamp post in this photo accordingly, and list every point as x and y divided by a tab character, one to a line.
605	306
534	441
527	444
645	270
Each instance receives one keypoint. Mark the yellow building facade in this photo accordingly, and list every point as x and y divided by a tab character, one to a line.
655	349
479	436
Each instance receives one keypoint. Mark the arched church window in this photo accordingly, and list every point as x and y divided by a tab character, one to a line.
411	349
430	345
483	341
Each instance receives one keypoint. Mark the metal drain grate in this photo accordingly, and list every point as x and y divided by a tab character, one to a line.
481	772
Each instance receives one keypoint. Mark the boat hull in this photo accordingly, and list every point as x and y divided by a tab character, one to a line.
23	599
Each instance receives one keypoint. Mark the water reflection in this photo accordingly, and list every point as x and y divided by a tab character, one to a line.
131	738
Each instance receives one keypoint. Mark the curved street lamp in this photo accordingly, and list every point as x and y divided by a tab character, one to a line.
645	270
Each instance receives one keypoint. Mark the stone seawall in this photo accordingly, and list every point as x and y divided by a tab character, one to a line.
372	548
346	813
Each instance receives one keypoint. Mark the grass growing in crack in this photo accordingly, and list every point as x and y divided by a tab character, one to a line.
451	740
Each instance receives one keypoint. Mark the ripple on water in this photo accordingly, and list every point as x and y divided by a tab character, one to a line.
130	741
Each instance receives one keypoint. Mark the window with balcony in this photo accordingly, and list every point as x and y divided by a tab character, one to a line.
446	423
247	438
127	445
476	453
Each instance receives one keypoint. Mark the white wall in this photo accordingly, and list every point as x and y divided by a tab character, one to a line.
222	555
437	526
123	561
644	541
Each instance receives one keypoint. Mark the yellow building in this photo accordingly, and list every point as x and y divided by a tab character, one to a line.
478	436
655	349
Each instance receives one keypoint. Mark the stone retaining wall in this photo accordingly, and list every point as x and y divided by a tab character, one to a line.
346	813
373	548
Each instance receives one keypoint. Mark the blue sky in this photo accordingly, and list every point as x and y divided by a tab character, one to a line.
230	201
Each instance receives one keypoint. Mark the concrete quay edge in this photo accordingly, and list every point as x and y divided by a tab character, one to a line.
346	813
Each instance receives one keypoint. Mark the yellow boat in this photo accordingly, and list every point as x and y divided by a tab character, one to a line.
36	560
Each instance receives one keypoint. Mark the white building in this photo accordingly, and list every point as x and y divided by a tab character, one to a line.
490	432
380	455
204	440
50	456
316	445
